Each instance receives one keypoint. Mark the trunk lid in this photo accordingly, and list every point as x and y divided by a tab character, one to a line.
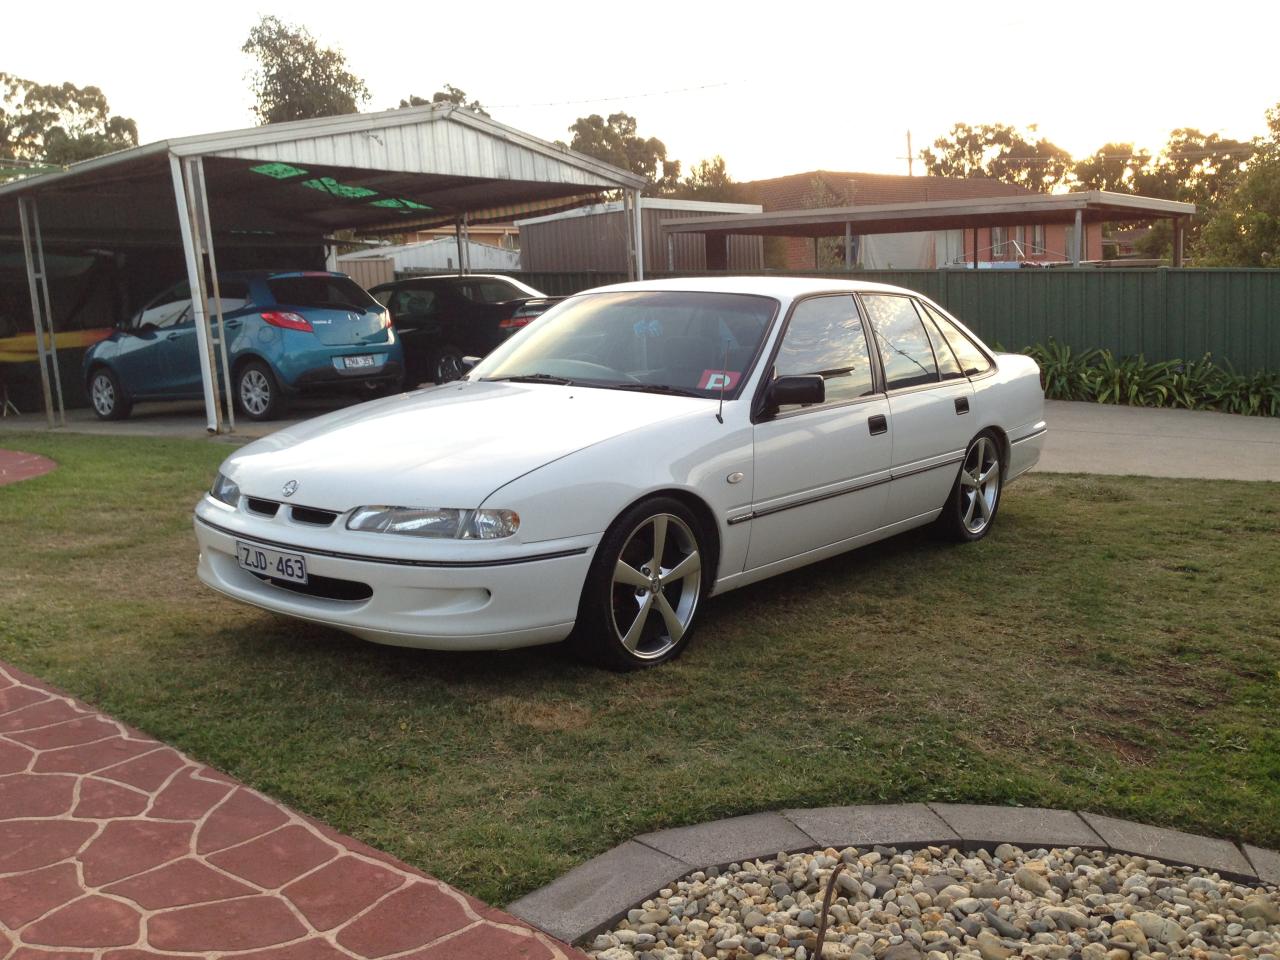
339	310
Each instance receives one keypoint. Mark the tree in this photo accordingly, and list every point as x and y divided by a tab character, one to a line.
1244	230
615	141
1001	152
56	124
450	94
1116	167
709	180
296	78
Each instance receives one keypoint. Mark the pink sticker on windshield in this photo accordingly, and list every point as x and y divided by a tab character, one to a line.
719	379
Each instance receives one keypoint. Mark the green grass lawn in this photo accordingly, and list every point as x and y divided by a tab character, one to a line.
1113	645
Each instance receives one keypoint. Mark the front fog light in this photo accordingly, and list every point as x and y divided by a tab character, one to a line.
493	524
225	491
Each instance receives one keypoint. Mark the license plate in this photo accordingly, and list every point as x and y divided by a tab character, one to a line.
271	563
354	363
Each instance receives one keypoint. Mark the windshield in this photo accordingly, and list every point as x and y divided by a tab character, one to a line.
664	341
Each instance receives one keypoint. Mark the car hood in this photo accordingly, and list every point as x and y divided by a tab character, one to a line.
446	446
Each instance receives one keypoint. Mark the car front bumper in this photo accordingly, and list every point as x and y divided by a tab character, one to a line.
417	594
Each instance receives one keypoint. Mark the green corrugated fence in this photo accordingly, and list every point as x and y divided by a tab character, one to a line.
1163	314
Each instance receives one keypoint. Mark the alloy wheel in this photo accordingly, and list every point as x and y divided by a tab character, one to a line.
657	582
103	395
255	392
979	485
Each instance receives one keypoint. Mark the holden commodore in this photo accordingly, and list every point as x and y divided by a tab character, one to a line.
631	452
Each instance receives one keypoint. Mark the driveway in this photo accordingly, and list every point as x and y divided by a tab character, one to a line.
1097	438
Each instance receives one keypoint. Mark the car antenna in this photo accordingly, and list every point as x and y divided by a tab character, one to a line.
724	376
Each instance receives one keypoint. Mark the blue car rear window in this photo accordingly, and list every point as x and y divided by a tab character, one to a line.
334	293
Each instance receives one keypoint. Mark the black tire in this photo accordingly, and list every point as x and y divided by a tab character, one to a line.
444	364
258	393
974	500
604	611
107	396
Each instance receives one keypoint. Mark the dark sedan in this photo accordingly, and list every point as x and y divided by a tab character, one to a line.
442	319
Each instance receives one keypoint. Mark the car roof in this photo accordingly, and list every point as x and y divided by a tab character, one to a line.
780	287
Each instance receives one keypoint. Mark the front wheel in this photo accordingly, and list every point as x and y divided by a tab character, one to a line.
107	396
975	498
258	392
641	598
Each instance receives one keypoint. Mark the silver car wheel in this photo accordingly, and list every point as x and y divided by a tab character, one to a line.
657	582
979	485
255	392
103	395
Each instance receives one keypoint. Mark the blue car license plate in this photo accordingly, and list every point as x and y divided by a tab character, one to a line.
358	362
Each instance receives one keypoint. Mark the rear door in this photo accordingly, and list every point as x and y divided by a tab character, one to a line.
822	471
340	311
929	404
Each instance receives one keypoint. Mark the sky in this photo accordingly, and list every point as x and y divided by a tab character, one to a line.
774	88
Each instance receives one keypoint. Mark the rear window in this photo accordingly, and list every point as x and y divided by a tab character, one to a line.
335	293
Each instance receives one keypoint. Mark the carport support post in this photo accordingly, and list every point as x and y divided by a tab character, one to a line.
637	240
195	178
1077	239
848	245
1178	233
213	415
41	307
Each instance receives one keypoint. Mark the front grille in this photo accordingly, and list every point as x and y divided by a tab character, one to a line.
328	588
319	518
265	508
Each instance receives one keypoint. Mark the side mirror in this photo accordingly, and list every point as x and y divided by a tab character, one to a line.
466	363
786	391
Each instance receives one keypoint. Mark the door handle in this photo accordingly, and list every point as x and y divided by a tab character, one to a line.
172	336
962	405
878	423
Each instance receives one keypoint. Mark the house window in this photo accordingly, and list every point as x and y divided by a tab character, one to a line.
1037	238
1019	243
999	242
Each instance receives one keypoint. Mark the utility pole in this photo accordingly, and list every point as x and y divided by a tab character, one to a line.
909	157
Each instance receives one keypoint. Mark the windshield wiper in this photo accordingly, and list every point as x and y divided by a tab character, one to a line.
651	388
531	378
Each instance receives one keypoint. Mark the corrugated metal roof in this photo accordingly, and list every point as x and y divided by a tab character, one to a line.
444	159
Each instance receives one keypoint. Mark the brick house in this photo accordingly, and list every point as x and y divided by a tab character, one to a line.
824	188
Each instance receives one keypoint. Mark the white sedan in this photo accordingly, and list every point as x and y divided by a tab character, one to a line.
633	451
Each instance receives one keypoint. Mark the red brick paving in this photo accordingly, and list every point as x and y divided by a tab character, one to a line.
16	465
114	846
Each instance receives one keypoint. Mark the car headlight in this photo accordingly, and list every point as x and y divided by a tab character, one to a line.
224	490
445	523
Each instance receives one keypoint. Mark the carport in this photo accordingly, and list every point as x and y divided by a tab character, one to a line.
1075	209
289	183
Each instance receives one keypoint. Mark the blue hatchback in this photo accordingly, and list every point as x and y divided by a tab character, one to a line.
286	333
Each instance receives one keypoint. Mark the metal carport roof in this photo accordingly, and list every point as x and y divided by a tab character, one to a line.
1079	208
375	173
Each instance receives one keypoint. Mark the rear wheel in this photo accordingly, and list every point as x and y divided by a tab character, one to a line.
445	364
108	398
641	599
258	392
975	498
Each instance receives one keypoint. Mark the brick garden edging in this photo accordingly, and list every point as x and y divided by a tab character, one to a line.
592	897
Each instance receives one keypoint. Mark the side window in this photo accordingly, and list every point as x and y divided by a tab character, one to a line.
972	360
495	291
902	341
825	336
948	366
235	296
167	310
413	303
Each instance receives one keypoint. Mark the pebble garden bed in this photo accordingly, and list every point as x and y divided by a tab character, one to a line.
942	904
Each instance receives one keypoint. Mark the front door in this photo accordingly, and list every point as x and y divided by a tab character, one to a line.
821	472
153	354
